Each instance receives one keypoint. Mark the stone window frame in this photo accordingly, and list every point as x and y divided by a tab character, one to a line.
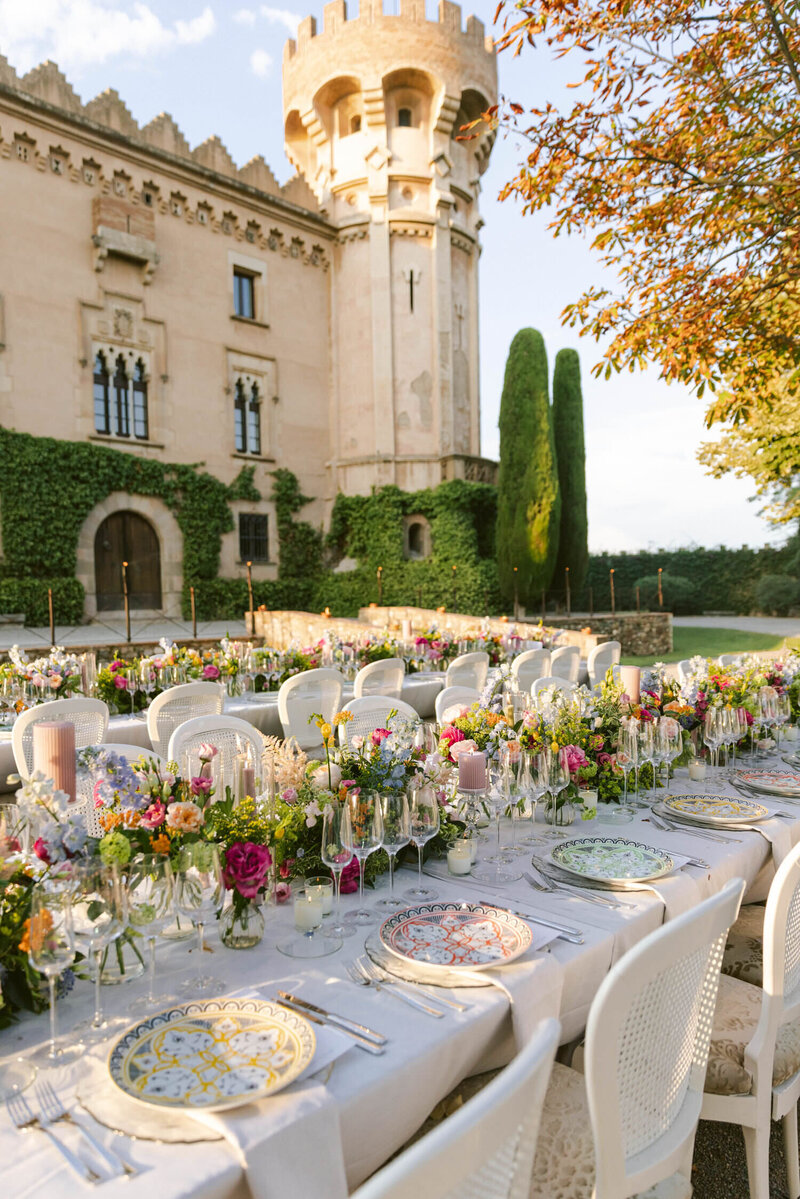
410	522
257	269
249	370
131	355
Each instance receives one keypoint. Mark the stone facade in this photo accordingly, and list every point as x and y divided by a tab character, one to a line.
122	248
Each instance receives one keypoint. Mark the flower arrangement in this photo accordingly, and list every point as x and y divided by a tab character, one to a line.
475	727
57	675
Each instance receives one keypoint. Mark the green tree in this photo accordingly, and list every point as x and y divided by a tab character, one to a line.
573	540
528	500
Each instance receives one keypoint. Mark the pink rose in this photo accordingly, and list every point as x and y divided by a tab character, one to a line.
575	757
289	795
115	665
462	747
154	816
350	877
448	738
120	682
201	786
379	735
283	892
206	751
246	866
210	672
55	681
40	849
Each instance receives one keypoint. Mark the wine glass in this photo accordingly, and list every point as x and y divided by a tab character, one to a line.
396	834
711	739
151	905
423	807
336	857
647	755
362	834
425	738
51	951
99	917
628	762
559	780
670	737
199	891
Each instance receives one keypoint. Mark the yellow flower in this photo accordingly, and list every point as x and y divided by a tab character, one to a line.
342	717
554	747
326	731
280	832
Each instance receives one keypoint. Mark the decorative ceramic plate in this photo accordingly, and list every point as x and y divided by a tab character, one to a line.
715	809
772	782
611	859
212	1054
418	972
456	936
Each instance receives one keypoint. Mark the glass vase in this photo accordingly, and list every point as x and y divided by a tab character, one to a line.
241	928
122	960
559	812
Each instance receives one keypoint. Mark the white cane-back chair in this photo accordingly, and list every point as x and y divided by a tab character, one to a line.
553	683
85	782
601	659
729	659
177	705
684	669
380	678
230	734
565	662
453	698
485	1150
630	1123
90	717
754	1060
371	712
312	691
468	670
529	666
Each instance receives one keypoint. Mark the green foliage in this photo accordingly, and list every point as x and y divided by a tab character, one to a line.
300	543
776	594
227	599
679	594
528	500
573	541
29	596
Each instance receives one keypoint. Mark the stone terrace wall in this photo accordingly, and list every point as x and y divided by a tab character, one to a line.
461	624
640	634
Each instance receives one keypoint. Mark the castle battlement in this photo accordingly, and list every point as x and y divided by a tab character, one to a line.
370	12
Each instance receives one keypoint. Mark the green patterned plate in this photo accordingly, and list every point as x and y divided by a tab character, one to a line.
612	860
715	809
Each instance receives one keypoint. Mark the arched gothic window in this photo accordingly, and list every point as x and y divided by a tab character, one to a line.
121	413
247	417
240	417
254	421
140	422
102	416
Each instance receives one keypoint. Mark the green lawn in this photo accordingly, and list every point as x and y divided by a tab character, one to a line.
711	643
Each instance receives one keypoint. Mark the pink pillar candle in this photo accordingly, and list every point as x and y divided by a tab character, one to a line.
54	753
471	772
631	677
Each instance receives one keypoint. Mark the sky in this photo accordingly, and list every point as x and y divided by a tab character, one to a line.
216	67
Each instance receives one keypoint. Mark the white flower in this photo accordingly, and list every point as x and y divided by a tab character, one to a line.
312	811
320	776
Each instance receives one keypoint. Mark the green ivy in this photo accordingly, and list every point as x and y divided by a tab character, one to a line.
300	543
29	596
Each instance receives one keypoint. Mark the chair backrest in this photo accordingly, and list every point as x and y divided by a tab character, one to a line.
454	697
371	712
380	678
85	783
529	666
647	1042
230	734
304	694
552	682
90	717
684	669
177	705
565	662
729	659
485	1150
468	670
600	659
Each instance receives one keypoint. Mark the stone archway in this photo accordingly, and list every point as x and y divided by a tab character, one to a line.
170	544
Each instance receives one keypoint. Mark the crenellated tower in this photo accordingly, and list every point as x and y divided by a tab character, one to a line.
372	109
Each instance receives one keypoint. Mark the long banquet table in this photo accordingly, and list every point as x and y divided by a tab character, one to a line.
322	1136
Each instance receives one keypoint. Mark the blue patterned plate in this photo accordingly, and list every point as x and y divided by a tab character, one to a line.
212	1054
456	936
612	860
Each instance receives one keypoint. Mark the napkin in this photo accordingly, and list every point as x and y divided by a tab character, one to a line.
533	988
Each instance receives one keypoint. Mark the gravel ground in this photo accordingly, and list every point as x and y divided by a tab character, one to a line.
720	1167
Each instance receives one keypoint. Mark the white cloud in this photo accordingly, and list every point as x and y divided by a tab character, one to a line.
283	17
245	16
261	63
77	33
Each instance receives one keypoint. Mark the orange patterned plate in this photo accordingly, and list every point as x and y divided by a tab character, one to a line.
456	936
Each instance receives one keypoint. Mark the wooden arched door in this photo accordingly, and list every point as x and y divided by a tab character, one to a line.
127	537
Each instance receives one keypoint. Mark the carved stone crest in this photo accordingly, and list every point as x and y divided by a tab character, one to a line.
123	323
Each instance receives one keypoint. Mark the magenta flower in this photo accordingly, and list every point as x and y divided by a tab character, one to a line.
379	735
210	672
350	877
201	785
289	795
41	850
120	682
283	891
154	816
575	757
246	866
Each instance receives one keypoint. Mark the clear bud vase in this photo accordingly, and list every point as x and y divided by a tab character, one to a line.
241	927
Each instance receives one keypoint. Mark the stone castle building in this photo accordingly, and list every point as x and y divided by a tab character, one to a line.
196	312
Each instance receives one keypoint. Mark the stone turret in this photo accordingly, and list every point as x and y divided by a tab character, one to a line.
372	110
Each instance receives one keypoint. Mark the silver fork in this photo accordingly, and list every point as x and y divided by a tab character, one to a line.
543	883
26	1121
362	979
381	975
53	1110
668	826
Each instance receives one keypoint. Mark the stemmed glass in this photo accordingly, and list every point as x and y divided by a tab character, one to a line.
647	755
362	834
423	807
528	784
628	761
559	780
670	739
336	857
494	870
199	891
99	917
711	739
396	834
151	892
51	950
425	738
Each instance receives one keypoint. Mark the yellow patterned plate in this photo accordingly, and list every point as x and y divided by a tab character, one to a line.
212	1054
715	809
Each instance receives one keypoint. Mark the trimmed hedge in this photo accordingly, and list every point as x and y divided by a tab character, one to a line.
473	588
776	594
227	599
30	597
679	594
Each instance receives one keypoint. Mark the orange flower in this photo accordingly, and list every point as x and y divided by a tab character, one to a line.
160	844
35	930
131	818
109	820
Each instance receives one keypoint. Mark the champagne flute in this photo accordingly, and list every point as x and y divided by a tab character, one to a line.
51	951
336	857
396	834
423	806
199	892
99	917
362	834
152	908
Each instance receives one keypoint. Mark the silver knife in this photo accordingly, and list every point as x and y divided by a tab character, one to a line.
565	931
348	1025
361	1042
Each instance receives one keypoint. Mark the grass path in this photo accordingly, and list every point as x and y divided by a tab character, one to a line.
710	643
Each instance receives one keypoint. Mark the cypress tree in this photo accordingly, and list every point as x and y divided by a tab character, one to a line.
573	542
528	498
